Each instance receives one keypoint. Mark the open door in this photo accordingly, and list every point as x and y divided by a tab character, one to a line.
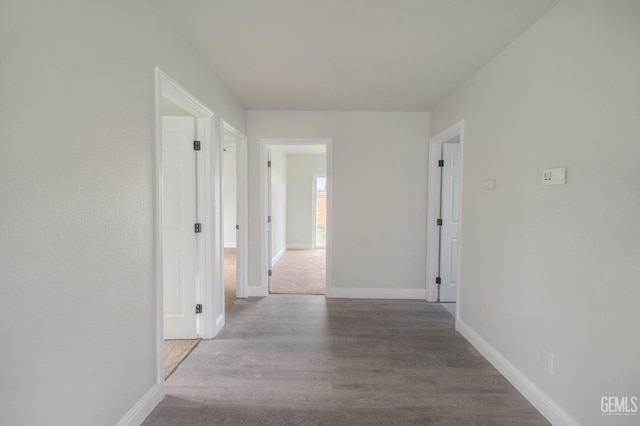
179	210
449	213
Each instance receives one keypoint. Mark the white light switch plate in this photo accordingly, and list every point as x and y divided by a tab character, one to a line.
489	184
557	176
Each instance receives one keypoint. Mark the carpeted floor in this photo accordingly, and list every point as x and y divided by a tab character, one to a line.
300	272
175	351
230	291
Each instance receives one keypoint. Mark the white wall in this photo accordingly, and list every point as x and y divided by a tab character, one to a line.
301	169
229	193
379	195
278	202
557	267
77	304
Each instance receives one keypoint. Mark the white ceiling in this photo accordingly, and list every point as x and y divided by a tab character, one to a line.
374	55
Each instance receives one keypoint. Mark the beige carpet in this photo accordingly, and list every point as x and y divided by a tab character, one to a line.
230	291
300	272
175	351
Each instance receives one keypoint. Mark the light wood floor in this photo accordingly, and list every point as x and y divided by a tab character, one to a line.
293	359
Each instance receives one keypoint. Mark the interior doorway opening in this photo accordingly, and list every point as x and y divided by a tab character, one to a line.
234	201
443	217
297	211
184	223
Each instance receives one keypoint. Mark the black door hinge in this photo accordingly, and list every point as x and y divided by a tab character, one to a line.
237	226
439	222
440	163
198	308
438	280
198	228
196	145
268	219
268	163
269	272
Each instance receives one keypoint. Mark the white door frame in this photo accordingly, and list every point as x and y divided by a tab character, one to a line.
453	133
210	246
265	143
242	202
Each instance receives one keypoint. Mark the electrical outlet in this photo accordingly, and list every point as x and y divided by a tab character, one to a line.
547	361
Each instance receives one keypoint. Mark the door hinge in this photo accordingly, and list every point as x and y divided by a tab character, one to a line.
196	145
198	228
269	163
269	273
440	163
439	222
198	308
438	280
268	219
237	226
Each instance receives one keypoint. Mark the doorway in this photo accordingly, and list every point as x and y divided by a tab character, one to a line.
294	260
188	293
444	196
235	219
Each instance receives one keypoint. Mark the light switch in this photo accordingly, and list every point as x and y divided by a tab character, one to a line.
489	184
557	176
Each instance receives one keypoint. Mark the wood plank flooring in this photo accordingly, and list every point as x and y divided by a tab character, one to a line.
305	360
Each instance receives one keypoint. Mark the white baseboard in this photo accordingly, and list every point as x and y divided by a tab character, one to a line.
230	245
278	255
376	293
256	292
145	405
552	411
299	246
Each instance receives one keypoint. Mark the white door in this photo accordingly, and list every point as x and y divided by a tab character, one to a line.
450	211
179	212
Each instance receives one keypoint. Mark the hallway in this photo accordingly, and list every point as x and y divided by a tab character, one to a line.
291	359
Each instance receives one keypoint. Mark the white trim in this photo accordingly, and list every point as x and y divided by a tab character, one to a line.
230	245
278	256
299	247
376	293
433	207
158	240
242	210
540	400
264	266
145	405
